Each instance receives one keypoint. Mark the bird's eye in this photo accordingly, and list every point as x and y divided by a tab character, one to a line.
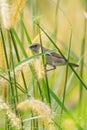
35	45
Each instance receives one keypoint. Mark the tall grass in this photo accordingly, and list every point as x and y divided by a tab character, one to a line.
32	98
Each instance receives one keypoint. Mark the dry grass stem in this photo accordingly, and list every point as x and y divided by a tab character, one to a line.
16	70
41	109
15	121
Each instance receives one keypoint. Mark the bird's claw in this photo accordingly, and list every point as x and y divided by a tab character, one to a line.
54	67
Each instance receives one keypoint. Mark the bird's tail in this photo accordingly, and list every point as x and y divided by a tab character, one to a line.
74	65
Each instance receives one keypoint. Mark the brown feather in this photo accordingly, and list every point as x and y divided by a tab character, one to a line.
53	53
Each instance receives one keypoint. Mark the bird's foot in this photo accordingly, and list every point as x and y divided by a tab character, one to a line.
53	68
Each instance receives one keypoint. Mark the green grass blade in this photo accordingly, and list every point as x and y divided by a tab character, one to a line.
26	32
19	42
65	109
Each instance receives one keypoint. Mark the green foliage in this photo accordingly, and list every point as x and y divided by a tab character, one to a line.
63	91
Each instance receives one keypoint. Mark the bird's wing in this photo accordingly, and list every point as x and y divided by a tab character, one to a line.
53	53
56	55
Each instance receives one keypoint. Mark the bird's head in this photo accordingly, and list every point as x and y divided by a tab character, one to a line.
35	47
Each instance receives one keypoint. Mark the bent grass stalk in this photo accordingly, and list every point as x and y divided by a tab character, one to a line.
79	78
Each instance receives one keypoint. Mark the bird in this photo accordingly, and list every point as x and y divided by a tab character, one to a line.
54	59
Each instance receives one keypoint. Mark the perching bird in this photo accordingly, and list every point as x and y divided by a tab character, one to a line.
54	59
